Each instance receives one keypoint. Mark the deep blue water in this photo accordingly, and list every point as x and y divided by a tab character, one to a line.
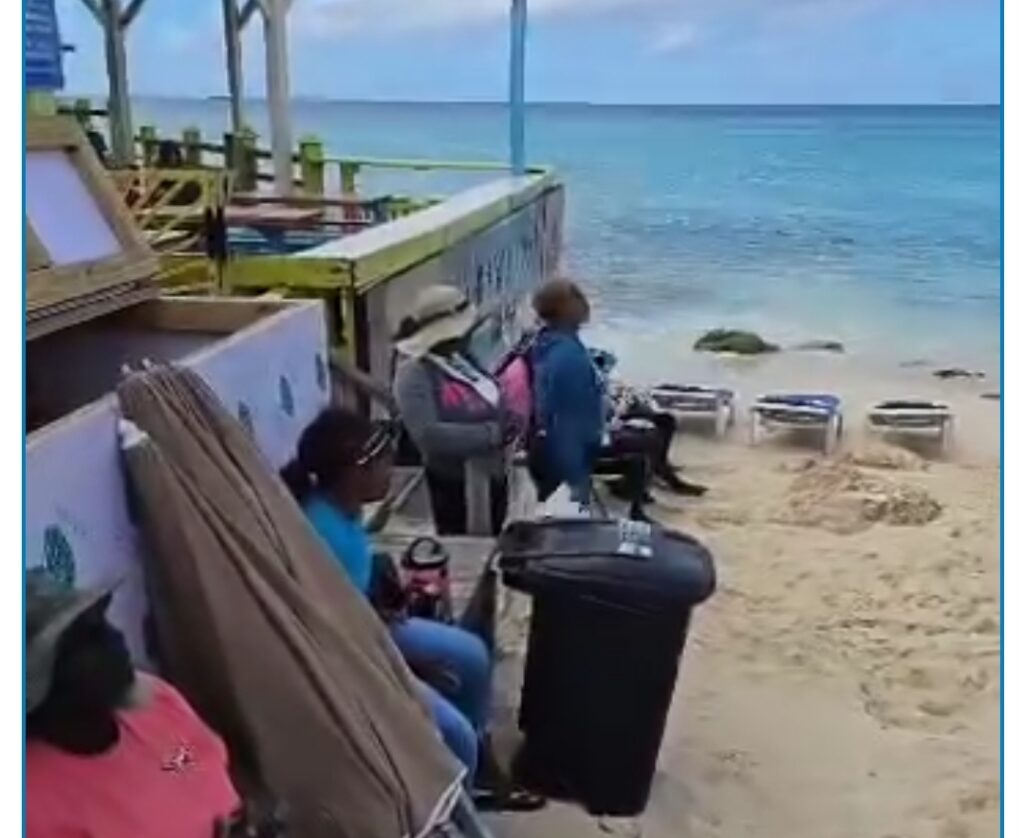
880	226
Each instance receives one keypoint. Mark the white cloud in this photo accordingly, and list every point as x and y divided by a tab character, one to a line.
674	38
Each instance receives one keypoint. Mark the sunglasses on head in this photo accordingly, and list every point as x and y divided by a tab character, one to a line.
383	438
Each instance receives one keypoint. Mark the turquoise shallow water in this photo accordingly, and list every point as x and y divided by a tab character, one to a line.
877	226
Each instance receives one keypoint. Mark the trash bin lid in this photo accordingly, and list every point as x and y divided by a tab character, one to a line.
643	567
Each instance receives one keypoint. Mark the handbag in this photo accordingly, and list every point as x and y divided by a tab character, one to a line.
386	593
425	564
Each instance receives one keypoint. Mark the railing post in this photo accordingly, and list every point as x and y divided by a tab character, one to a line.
82	108
191	140
246	164
348	177
311	165
349	189
148	141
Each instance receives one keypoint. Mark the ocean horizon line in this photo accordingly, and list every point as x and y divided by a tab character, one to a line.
555	103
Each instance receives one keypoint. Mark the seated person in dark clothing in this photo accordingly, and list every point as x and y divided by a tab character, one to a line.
624	458
636	425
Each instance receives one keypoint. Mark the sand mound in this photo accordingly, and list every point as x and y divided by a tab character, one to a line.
842	498
888	457
901	505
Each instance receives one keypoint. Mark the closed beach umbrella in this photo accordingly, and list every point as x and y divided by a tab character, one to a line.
263	633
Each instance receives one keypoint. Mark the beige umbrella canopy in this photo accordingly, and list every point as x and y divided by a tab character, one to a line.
263	634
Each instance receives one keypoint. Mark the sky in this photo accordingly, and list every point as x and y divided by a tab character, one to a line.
602	51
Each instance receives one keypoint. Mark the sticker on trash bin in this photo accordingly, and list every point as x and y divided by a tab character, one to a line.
635	539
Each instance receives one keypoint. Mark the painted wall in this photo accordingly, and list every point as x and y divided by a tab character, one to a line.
273	376
43	59
497	269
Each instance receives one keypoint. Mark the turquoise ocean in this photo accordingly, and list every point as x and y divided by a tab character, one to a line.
879	227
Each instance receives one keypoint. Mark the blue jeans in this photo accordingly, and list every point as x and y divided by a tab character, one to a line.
460	709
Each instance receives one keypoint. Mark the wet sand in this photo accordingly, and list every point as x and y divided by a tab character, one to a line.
843	682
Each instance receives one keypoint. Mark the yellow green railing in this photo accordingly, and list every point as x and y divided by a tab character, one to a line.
316	171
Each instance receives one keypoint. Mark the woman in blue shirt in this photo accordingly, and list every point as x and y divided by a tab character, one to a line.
343	462
570	406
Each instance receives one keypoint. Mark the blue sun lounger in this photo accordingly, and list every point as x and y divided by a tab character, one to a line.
689	402
798	411
913	416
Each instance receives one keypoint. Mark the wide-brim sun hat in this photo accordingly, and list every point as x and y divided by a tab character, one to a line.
439	313
50	610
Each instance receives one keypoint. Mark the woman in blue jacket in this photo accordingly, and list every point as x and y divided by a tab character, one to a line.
569	397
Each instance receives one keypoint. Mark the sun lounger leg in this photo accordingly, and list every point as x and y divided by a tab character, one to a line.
832	429
468	820
722	417
598	505
756	428
946	437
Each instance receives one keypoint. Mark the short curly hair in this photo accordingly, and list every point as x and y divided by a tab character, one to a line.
552	301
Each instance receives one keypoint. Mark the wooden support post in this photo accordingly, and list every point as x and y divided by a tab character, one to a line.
311	165
345	335
233	58
115	23
122	145
149	142
478	499
275	34
192	153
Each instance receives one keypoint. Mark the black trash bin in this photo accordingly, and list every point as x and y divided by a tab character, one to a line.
611	608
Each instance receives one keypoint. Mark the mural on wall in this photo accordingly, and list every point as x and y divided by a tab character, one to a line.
244	416
58	556
78	521
321	372
497	268
502	266
287	400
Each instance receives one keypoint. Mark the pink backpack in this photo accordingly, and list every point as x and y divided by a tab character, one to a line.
515	379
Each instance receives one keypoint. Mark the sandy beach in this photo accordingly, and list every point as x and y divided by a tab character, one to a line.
843	682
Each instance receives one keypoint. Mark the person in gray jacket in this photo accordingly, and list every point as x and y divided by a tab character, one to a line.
451	408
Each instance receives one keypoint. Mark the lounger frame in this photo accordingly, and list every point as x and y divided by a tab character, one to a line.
936	420
698	404
767	416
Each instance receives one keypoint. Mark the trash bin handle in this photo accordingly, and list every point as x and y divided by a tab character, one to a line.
523	558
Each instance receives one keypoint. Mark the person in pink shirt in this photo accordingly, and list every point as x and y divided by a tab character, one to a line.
111	753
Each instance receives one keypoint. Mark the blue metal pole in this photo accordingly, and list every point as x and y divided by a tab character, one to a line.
517	88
